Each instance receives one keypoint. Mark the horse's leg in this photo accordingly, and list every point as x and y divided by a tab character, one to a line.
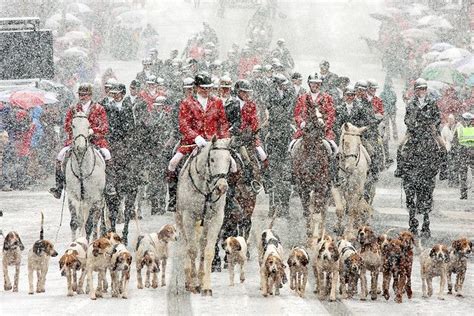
74	220
113	204
305	202
338	201
129	210
410	193
89	223
425	195
188	229
214	225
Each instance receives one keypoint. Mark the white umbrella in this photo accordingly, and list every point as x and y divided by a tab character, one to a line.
75	52
465	65
453	54
70	18
415	33
431	56
79	8
438	64
441	47
132	19
435	22
77	35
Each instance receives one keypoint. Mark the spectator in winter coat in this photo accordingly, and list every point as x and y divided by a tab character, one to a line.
389	99
450	104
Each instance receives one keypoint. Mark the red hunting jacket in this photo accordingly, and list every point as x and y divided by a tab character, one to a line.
325	105
194	121
97	120
377	105
249	118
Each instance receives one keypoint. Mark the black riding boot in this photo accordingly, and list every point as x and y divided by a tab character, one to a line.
463	193
425	229
371	179
172	180
109	179
398	173
413	222
59	177
333	171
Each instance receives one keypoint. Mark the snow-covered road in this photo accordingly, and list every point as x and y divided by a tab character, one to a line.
314	30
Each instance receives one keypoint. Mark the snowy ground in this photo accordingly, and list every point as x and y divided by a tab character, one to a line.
314	30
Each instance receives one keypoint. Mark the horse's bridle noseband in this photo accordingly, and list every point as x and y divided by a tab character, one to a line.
355	156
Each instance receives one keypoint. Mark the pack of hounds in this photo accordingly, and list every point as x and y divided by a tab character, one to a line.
338	265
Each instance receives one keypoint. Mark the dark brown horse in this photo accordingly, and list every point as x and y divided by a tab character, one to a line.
310	162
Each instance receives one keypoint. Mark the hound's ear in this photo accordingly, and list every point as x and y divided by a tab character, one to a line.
129	260
336	255
362	129
22	247
304	261
456	245
38	247
345	127
432	252
470	245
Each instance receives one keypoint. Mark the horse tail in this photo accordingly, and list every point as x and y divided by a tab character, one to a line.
275	215
41	230
389	230
137	224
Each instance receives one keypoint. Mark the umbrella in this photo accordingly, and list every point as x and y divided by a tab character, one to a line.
69	18
446	74
438	64
416	9
77	35
75	52
79	8
435	22
119	10
441	47
465	65
52	24
431	56
381	16
132	19
27	97
453	54
419	34
470	81
437	85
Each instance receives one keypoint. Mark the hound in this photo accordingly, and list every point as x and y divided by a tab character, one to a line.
12	248
73	260
433	263
298	262
236	252
38	260
460	250
272	268
120	263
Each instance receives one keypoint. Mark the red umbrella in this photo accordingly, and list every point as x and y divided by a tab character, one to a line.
28	98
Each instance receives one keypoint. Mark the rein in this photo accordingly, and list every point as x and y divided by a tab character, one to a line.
355	156
211	181
81	177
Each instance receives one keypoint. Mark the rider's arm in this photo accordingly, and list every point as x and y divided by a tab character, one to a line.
299	110
101	126
185	122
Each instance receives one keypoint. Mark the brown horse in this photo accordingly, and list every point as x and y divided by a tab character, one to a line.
310	162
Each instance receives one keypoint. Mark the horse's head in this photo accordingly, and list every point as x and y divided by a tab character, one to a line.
80	131
350	143
315	127
218	163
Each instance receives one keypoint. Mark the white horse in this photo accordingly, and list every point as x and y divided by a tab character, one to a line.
201	196
353	169
85	179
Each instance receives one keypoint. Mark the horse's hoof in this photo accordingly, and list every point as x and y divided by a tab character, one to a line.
207	292
7	287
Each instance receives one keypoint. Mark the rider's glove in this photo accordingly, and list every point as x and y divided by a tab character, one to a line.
201	142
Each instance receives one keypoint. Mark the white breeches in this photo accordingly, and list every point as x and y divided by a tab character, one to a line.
103	151
330	145
174	162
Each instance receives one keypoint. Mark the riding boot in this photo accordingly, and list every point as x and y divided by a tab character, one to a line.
333	171
371	179
109	179
425	229
413	222
399	171
463	193
443	166
172	180
59	177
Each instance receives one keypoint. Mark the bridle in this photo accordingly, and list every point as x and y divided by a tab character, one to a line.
80	159
353	155
211	180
